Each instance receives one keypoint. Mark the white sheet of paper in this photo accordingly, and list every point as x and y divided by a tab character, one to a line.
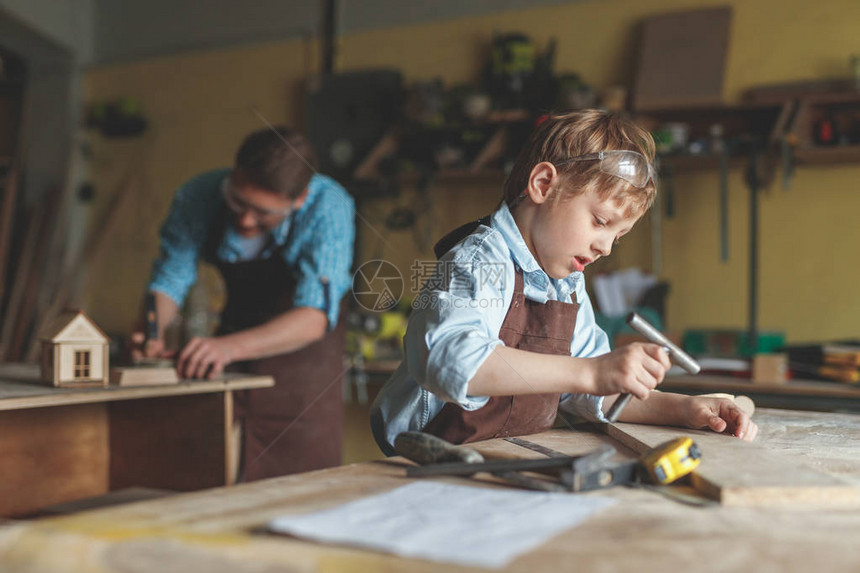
449	523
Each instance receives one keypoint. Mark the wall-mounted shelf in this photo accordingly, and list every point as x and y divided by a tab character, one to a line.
485	165
760	124
827	155
750	138
835	100
709	162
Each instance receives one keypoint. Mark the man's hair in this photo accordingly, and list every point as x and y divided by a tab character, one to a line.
280	160
563	136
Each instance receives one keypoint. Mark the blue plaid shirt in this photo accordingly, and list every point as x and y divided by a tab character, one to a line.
320	247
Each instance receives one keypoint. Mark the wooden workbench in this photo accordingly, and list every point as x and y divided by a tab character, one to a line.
219	529
63	444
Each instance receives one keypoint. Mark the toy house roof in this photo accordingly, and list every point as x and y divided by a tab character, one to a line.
73	326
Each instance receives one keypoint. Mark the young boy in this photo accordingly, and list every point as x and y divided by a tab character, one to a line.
505	333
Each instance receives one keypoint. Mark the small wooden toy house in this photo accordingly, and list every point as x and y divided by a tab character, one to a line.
74	352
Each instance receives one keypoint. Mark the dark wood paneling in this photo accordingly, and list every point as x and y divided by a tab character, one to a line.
52	455
178	443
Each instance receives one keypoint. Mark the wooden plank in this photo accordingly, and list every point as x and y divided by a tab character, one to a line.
385	147
74	279
20	388
25	332
491	152
143	376
827	155
14	314
15	160
119	497
232	440
738	473
10	196
178	443
52	456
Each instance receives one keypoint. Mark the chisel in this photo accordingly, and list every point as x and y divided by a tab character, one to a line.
677	356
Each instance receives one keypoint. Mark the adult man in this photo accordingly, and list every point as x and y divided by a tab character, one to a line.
282	238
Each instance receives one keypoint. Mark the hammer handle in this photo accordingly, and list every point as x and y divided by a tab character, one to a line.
677	355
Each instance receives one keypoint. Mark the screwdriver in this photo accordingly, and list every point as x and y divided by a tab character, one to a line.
677	356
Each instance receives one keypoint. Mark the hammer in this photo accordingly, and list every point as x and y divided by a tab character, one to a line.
677	356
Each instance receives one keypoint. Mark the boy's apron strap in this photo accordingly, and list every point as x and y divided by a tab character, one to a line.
447	242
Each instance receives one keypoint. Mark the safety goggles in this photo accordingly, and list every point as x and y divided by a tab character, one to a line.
241	207
630	166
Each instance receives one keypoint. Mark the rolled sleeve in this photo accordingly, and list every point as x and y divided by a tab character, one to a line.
325	260
453	331
182	235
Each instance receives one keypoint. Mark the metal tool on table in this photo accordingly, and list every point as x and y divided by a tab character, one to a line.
661	465
434	452
587	472
677	356
657	469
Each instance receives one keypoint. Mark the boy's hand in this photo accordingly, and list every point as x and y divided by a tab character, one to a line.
720	415
632	369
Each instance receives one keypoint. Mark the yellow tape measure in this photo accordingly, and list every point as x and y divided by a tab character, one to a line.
671	460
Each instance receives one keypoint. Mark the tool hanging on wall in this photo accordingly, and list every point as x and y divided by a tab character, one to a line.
786	147
724	202
668	179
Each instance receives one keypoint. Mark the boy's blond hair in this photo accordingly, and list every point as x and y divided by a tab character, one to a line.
563	136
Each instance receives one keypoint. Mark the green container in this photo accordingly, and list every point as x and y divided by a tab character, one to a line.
727	343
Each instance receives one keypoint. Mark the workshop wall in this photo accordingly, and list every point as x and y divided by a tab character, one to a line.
198	108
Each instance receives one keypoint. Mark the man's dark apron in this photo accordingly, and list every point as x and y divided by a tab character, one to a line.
297	425
545	328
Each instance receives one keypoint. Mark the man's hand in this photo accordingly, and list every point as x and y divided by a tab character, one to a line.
720	415
140	347
632	369
204	358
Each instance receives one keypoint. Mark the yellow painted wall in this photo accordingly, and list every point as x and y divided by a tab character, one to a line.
198	107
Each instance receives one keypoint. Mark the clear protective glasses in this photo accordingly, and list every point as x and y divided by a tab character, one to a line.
241	207
630	166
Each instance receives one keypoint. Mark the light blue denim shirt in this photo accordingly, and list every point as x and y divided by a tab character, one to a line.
455	326
320	246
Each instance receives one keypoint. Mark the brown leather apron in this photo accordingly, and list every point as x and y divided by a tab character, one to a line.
297	425
545	328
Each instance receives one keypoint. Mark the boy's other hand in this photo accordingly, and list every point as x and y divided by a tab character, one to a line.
632	369
720	415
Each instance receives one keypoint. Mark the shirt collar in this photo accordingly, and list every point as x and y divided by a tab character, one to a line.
231	248
537	284
504	222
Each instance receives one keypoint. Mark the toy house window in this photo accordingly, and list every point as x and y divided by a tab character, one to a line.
82	364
